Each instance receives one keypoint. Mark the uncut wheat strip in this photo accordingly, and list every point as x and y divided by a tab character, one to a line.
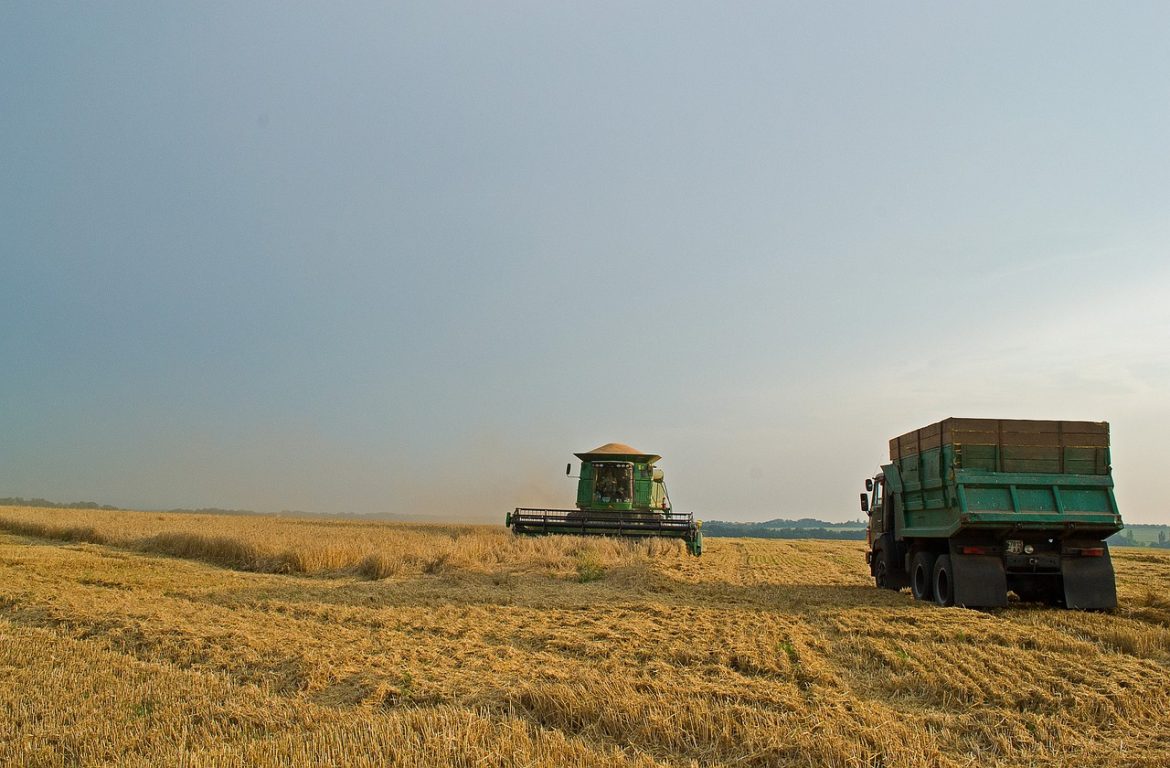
278	545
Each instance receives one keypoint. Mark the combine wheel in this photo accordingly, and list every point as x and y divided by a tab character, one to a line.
922	576
944	581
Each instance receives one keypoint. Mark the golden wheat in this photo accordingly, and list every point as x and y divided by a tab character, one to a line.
303	545
474	648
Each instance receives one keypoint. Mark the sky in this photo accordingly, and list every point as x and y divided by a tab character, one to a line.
406	258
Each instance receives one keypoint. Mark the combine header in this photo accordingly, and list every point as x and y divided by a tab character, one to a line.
619	493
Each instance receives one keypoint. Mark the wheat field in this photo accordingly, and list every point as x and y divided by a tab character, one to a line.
144	639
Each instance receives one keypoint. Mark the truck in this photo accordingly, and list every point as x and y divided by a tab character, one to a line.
967	510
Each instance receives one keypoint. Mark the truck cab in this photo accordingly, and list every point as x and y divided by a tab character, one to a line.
884	554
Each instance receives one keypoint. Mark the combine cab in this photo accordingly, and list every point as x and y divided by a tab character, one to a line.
619	493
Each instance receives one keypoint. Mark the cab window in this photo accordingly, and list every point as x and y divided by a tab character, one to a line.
876	511
613	482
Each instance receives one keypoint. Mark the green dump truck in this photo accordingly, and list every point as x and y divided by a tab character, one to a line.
968	509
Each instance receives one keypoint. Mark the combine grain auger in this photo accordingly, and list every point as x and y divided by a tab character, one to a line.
619	493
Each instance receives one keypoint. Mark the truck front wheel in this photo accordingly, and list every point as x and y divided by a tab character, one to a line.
922	575
944	581
883	569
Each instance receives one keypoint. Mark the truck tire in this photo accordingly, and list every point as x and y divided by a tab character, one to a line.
922	576
883	569
943	581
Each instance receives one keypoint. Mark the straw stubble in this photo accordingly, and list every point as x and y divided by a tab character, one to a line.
148	639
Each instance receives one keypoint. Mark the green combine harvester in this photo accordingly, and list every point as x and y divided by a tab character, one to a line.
619	493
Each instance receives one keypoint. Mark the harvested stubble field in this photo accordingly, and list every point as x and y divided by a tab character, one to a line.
145	639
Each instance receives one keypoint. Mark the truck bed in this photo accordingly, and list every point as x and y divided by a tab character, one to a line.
1005	474
1008	445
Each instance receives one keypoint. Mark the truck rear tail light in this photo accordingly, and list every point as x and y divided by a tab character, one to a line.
1092	552
973	550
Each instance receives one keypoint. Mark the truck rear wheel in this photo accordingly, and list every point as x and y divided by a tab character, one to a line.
944	581
922	576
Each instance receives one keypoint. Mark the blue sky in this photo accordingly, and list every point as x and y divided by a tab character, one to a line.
407	258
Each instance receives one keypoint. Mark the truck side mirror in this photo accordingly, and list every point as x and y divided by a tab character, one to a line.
869	483
864	503
568	468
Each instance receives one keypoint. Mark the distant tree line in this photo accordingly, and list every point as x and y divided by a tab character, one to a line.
1139	535
1126	537
804	528
211	511
16	501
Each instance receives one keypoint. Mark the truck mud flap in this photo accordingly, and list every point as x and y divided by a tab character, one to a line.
979	581
1089	583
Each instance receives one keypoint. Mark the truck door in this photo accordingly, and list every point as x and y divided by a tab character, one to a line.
877	516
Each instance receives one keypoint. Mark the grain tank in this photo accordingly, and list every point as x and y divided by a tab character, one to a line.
968	509
620	492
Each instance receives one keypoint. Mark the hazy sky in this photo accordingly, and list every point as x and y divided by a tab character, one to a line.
407	258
